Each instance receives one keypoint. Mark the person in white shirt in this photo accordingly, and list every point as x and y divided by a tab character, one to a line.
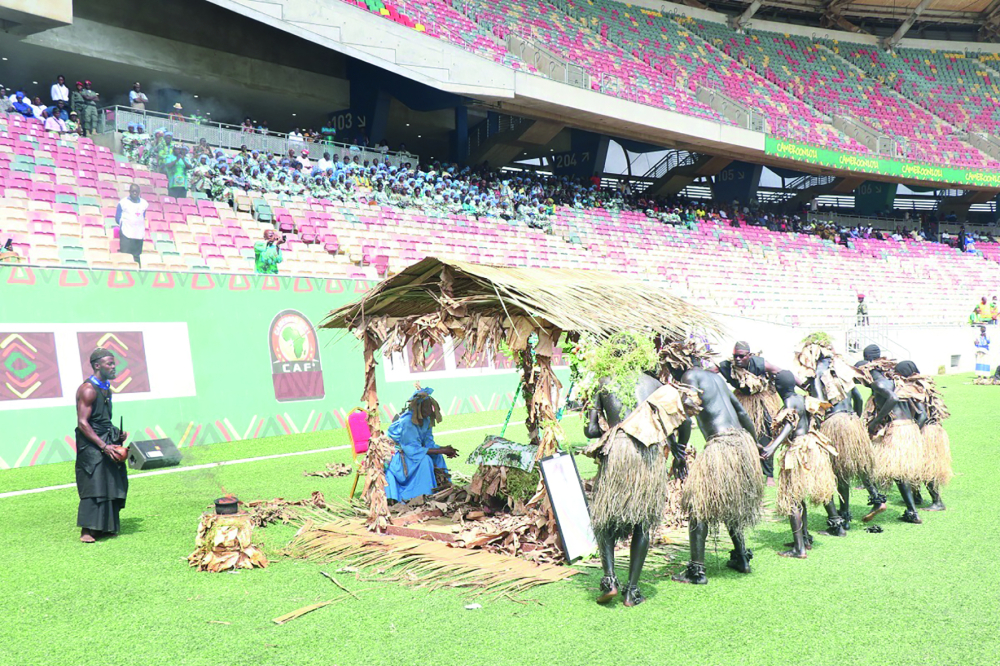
296	136
131	220
136	98
39	109
306	162
59	90
325	163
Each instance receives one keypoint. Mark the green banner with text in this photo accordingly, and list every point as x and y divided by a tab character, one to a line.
878	165
202	358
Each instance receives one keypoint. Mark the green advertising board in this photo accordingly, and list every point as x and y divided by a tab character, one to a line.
202	358
877	165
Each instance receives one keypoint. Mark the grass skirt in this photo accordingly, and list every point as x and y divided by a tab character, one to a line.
937	454
847	433
757	405
899	453
630	487
724	484
806	473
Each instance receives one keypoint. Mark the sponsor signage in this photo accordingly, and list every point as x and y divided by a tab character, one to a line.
804	152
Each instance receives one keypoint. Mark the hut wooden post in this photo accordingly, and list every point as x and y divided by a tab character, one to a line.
379	447
370	395
546	384
528	392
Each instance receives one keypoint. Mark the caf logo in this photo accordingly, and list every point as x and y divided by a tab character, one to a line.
295	364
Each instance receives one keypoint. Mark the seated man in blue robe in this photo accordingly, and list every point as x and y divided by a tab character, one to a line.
411	470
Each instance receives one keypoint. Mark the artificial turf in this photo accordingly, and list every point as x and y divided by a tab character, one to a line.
914	594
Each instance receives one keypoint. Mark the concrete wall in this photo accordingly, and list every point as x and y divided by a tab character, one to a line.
141	50
27	16
930	347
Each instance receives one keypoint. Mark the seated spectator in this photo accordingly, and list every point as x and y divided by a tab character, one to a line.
176	114
38	109
6	106
295	136
201	149
247	126
262	128
59	109
324	163
304	160
73	127
21	105
54	124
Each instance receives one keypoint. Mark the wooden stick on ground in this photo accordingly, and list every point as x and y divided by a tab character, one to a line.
337	583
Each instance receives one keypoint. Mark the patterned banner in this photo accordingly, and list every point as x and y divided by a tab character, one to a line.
130	358
29	365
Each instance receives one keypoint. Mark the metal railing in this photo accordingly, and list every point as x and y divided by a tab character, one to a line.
233	137
481	132
805	182
672	160
875	332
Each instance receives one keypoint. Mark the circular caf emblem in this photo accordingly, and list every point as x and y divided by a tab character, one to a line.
295	364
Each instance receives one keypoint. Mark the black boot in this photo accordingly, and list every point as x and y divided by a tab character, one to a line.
633	597
911	517
835	527
694	574
918	499
609	589
739	560
846	516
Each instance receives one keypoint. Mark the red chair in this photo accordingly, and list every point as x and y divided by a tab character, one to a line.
360	434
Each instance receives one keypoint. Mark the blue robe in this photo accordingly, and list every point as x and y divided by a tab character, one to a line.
412	442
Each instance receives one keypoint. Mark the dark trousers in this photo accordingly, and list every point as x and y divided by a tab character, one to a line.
177	192
131	246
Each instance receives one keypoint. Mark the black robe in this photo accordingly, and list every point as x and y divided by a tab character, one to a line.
101	482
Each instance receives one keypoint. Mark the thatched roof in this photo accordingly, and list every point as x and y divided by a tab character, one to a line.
583	301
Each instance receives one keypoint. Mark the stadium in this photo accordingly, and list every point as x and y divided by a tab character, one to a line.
267	231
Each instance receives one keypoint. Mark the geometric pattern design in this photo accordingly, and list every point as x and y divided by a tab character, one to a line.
61	447
29	369
130	358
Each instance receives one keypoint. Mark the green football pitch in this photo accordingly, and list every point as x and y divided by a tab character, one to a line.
914	594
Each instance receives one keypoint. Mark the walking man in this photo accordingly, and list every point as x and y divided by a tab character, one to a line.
130	216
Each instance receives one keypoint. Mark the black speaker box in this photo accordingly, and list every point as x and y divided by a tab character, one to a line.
153	454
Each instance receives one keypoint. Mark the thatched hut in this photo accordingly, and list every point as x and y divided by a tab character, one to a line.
484	306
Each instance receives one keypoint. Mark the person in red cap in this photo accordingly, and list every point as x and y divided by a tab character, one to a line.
862	311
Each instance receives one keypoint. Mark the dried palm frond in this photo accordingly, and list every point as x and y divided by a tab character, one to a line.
438	297
419	563
223	544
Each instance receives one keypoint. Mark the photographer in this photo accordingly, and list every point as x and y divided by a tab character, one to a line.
177	166
267	255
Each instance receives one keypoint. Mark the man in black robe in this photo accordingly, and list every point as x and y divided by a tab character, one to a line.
101	478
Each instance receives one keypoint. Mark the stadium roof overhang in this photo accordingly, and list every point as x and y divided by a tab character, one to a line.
972	18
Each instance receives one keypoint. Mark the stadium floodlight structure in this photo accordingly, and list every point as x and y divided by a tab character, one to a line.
901	31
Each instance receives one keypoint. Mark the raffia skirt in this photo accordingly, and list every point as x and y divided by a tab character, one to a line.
937	454
806	473
630	487
761	408
899	453
724	484
848	435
